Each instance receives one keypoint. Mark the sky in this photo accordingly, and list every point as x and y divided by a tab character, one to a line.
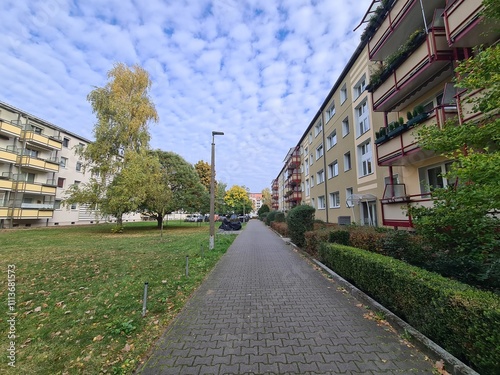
257	70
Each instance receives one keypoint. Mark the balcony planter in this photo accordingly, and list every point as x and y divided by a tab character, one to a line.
381	136
417	119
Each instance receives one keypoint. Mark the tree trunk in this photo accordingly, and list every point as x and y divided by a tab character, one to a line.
159	219
119	219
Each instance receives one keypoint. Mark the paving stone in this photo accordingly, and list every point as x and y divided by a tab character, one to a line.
265	310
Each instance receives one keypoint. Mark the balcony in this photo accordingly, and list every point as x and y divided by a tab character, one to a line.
402	148
417	71
38	164
43	212
464	25
35	188
4	212
6	184
10	129
403	18
395	204
293	196
41	140
293	180
8	154
293	162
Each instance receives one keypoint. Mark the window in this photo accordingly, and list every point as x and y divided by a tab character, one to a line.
348	193
60	182
306	165
432	177
362	118
73	206
308	189
30	152
330	112
77	182
30	177
313	202
319	152
335	200
365	159
65	142
320	177
310	138
80	146
332	139
347	161
318	128
345	127
36	129
343	94
321	202
360	87
63	162
333	169
312	181
78	166
311	160
57	204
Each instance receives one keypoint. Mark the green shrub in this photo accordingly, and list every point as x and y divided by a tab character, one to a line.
300	219
280	227
263	209
313	240
280	217
341	237
463	320
366	238
270	217
263	216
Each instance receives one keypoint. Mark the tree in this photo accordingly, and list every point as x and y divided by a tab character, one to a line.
204	172
185	189
237	199
220	193
262	209
123	110
464	222
266	197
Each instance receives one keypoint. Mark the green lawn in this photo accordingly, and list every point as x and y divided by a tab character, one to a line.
79	293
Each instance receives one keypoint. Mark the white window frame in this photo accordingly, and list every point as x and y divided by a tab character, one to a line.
347	161
345	127
359	87
365	159
330	112
335	199
318	128
362	118
64	162
348	192
332	139
319	151
333	169
308	188
321	202
343	94
320	176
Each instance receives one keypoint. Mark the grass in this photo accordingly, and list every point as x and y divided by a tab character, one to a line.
79	293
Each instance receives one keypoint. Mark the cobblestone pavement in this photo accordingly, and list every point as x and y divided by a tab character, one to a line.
266	310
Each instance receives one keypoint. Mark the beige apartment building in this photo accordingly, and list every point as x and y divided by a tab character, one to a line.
37	164
358	160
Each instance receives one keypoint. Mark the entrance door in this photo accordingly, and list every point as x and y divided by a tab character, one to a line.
369	213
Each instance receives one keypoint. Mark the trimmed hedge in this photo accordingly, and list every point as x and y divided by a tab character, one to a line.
300	219
280	227
314	239
270	217
463	320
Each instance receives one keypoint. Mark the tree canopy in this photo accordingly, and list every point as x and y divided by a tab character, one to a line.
237	200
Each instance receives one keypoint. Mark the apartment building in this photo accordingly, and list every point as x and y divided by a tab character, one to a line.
358	160
256	199
37	164
416	46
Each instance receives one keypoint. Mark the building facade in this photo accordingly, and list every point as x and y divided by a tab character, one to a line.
37	164
358	160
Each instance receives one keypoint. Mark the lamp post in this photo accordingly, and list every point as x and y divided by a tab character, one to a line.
212	192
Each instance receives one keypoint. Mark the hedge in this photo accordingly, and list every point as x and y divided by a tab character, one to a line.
300	219
463	320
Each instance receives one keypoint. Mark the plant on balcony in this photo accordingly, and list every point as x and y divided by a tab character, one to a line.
417	116
393	61
381	136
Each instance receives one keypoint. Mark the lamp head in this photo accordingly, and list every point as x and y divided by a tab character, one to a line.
217	133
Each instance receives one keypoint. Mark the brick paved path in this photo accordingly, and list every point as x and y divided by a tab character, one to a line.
266	310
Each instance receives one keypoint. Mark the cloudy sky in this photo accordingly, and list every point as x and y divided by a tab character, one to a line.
257	70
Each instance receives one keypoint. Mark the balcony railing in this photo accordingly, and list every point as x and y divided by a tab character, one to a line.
293	180
464	26
10	128
8	154
30	213
395	204
6	184
42	140
37	188
403	148
415	70
47	165
293	162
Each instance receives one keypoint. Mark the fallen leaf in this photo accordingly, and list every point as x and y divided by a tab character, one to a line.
97	338
38	309
126	348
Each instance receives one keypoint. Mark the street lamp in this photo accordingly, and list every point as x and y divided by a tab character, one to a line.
212	192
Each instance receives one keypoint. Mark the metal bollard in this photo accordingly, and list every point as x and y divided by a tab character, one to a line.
145	299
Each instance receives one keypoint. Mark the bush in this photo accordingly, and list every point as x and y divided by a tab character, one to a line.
300	219
263	209
263	216
340	236
314	239
463	320
281	228
280	217
366	238
270	217
405	246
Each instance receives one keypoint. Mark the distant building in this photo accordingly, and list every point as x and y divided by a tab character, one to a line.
37	164
256	199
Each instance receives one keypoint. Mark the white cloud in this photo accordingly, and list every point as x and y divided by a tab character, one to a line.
257	69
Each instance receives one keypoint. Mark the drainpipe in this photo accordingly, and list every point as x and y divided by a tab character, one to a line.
324	165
